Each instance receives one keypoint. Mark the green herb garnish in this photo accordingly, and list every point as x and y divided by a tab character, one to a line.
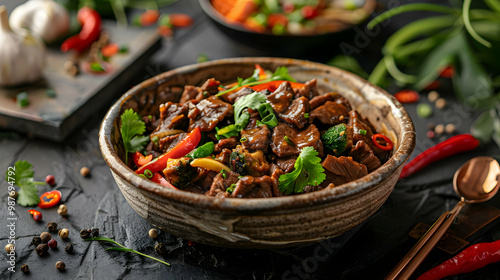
308	171
231	188
22	99
335	139
22	176
96	67
122	248
131	129
362	132
203	151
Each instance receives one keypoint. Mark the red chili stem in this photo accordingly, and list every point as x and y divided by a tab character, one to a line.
470	259
91	29
452	146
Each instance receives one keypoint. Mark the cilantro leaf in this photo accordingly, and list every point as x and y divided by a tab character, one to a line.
23	177
308	171
281	74
131	129
253	100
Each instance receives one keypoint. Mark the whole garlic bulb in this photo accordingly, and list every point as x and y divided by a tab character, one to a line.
45	18
22	55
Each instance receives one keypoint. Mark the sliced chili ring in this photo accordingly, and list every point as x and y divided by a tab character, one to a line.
50	199
387	147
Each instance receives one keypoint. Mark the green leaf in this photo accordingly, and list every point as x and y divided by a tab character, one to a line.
131	126
468	25
482	128
253	100
24	170
348	63
119	249
281	73
408	8
308	171
28	195
493	4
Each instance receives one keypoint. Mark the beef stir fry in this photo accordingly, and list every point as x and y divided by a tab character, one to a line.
265	136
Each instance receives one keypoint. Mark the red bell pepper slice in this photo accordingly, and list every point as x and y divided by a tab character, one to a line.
273	85
388	143
50	199
180	150
140	160
157	178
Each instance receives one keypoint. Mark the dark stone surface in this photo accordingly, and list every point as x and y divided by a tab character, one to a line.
368	251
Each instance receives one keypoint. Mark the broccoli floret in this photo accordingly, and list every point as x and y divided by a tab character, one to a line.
179	172
335	139
237	163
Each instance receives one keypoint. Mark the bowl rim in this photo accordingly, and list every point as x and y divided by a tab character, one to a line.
209	10
364	184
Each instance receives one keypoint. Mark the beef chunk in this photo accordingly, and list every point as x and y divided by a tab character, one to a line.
286	164
281	98
152	149
211	87
179	172
226	143
256	187
311	188
190	93
309	90
246	163
206	180
168	142
358	123
151	122
172	116
332	96
207	113
257	139
294	115
364	155
342	170
224	156
232	97
221	182
330	113
301	138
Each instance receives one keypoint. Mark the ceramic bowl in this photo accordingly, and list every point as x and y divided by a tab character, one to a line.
265	222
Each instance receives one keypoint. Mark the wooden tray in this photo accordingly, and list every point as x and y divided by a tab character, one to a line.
76	97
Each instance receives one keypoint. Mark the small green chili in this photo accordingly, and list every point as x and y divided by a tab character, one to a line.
148	173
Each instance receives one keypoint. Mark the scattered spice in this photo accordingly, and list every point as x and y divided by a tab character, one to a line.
37	216
160	249
69	248
441	103
341	118
52	226
9	248
431	134
52	243
42	249
25	268
72	68
63	233
95	232
450	128
45	237
153	233
424	110
36	241
439	129
62	210
13	194
50	179
85	171
433	96
60	265
431	126
85	233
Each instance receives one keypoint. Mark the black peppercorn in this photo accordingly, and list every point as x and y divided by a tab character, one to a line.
160	249
42	249
85	233
95	232
45	236
25	268
60	265
36	240
69	248
52	226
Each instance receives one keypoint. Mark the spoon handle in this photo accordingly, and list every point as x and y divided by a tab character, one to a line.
422	254
416	248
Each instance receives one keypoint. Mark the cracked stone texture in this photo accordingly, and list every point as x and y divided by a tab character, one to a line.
371	249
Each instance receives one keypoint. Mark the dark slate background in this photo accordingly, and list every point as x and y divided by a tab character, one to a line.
368	251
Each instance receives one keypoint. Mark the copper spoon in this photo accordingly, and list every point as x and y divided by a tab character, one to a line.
476	181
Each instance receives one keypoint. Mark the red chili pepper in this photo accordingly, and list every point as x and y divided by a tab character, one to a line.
91	29
388	143
470	259
180	150
149	17
180	20
273	85
407	96
262	72
274	19
110	50
447	72
433	85
452	146
309	12
37	216
157	178
49	199
165	31
140	160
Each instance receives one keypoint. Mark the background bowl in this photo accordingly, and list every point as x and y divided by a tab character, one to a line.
281	45
266	222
